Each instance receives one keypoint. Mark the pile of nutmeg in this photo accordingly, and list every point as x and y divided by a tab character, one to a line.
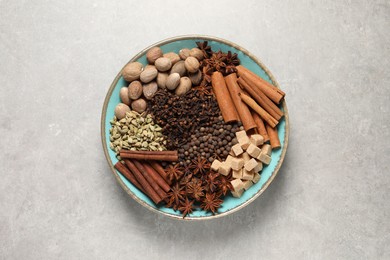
172	71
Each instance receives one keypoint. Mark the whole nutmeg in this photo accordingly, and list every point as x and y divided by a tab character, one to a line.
162	79
196	77
180	68
139	105
174	57
184	53
184	86
120	110
124	95
150	90
196	53
163	64
172	81
132	71
148	74
153	54
135	90
191	64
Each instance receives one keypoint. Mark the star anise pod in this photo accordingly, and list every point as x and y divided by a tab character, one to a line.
207	71
218	61
200	165
195	189
174	172
203	46
186	207
211	182
232	59
211	202
224	184
176	195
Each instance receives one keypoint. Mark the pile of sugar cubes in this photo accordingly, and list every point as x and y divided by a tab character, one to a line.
245	161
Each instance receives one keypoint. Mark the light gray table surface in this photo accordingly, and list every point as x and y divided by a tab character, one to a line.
58	198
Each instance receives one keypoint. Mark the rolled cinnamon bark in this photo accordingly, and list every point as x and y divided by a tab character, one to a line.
150	179
273	136
128	175
144	183
160	170
225	103
242	109
171	156
267	88
260	126
157	178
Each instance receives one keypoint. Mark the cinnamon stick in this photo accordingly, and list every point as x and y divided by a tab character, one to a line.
243	111
225	103
259	110
160	170
261	99
157	178
260	126
171	156
274	93
273	136
150	179
128	175
144	183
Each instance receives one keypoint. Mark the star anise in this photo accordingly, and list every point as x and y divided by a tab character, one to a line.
186	207
218	61
232	59
206	74
203	46
174	172
211	182
211	202
224	184
195	189
176	195
200	165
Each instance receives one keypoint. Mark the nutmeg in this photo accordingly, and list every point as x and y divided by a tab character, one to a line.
132	71
174	57
148	74
163	64
162	79
184	53
180	68
184	86
172	81
150	90
120	110
124	96
191	64
135	90
139	105
196	53
153	54
196	77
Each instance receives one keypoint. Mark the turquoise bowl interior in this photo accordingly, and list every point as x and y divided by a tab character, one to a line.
230	203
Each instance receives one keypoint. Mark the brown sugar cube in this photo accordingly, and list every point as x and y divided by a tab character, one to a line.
237	174
224	168
237	185
247	184
259	167
250	165
245	156
256	177
264	158
237	163
229	159
237	150
244	142
253	150
240	134
257	139
237	194
266	149
247	175
215	165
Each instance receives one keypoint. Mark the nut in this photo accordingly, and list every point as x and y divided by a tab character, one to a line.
153	54
172	81
135	90
184	86
184	53
148	74
174	57
196	77
180	68
139	105
132	71
163	64
120	110
150	90
196	53
162	79
124	95
191	64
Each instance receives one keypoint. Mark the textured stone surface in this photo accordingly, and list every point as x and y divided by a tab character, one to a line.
58	199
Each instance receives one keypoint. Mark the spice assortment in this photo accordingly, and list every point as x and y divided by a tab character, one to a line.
193	127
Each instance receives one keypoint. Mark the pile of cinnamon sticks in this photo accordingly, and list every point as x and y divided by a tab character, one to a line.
144	171
251	100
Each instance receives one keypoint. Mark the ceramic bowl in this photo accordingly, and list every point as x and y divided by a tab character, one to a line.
230	203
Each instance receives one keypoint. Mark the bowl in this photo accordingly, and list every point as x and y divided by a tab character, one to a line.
230	203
